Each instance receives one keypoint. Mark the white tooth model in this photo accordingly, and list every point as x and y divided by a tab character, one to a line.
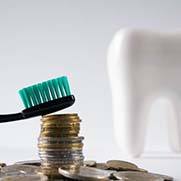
142	66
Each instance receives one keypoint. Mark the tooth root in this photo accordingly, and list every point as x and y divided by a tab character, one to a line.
175	127
129	124
128	108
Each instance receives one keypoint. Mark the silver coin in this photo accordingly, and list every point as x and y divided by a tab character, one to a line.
57	142
52	164
62	159
54	152
141	176
29	162
62	156
86	173
25	177
60	149
59	155
20	170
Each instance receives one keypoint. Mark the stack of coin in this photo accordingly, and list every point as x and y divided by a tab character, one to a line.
60	145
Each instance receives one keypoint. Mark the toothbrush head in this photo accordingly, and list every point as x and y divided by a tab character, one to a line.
46	97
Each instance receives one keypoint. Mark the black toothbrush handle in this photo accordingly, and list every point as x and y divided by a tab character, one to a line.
40	110
11	117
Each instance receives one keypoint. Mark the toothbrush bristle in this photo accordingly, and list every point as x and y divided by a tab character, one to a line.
45	91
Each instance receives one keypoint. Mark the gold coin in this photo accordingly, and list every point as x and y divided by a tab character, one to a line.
60	129
55	125
50	171
73	145
121	165
60	117
61	139
65	135
61	121
60	133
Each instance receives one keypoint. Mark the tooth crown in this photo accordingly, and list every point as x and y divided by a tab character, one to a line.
142	66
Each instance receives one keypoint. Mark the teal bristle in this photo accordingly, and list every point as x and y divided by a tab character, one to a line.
45	91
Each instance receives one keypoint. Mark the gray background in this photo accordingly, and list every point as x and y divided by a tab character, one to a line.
40	40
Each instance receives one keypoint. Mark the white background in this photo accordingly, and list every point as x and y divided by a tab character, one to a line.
40	40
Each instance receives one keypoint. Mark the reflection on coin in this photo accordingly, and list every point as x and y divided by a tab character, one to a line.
90	163
86	173
121	165
20	169
29	162
102	166
2	165
25	177
141	170
140	176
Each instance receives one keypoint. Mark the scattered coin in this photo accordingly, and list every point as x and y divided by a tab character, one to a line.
121	165
25	178
90	163
86	173
141	170
2	165
29	162
102	166
20	170
140	176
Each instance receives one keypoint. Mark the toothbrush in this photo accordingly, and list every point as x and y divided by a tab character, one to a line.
43	98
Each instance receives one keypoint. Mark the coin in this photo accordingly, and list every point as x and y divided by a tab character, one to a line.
57	129
60	117
90	163
121	165
57	116
60	149
60	153
29	162
61	138
61	124
59	144
20	169
86	173
25	177
102	166
55	159
51	134
2	165
141	176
